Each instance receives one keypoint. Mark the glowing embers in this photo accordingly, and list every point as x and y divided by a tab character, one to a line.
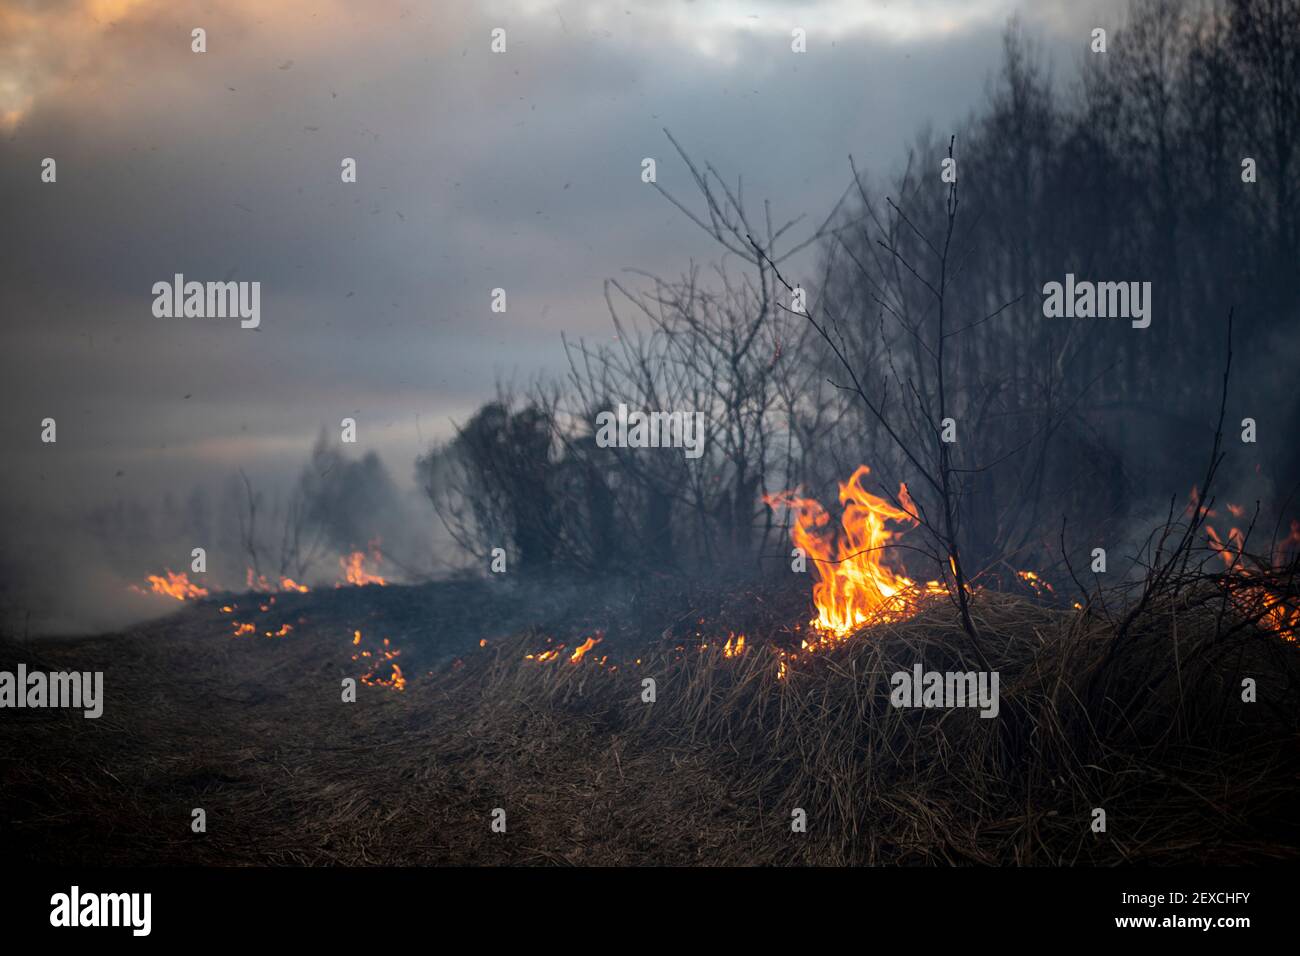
247	629
550	654
1039	586
376	662
576	656
858	581
260	584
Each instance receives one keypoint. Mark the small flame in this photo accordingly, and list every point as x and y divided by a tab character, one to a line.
1034	581
260	584
583	648
1279	616
396	681
175	585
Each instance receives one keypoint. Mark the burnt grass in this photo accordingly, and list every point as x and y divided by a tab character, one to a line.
252	730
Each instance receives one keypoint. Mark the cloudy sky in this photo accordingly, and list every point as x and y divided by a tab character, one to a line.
476	170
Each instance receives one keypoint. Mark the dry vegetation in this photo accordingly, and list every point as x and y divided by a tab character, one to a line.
253	732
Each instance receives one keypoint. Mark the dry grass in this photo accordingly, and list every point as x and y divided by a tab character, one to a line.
1158	737
1154	732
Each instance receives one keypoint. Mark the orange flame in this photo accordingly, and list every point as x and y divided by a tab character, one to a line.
855	586
176	585
1279	616
582	649
353	567
377	659
1037	583
260	584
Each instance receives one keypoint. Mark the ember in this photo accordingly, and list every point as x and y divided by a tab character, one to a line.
258	582
377	660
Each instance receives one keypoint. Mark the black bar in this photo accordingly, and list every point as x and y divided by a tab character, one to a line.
413	906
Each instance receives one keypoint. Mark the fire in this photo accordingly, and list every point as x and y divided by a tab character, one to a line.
377	660
353	567
734	650
176	585
583	648
1278	616
259	583
855	585
575	657
1037	583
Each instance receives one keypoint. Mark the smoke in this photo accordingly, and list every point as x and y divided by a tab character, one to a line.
82	569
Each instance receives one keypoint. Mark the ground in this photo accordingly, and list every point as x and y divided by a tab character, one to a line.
253	730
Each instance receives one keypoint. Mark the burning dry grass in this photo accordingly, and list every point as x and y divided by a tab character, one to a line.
1152	731
1156	735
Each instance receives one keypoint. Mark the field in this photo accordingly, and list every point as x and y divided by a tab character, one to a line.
253	730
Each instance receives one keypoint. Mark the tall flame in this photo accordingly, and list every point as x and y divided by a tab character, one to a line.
353	567
858	582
